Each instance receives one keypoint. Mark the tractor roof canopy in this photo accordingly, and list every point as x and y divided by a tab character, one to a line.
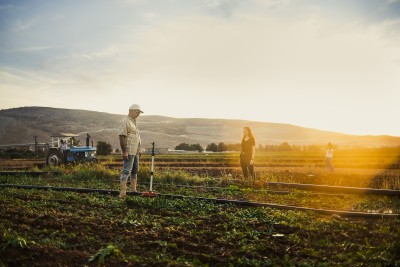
65	135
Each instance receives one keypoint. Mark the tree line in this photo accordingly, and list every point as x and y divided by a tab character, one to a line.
222	147
104	148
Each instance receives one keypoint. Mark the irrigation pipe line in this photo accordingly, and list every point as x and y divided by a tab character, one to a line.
329	188
215	200
332	190
336	189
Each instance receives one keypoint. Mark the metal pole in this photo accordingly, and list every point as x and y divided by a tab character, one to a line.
152	167
87	139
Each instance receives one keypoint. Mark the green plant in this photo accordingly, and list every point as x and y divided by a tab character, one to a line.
107	251
131	219
14	241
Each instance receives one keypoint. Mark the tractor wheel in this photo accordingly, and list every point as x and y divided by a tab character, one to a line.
54	158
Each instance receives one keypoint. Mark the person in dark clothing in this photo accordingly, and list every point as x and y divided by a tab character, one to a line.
248	152
64	148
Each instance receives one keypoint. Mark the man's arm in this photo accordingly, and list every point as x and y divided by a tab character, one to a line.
122	143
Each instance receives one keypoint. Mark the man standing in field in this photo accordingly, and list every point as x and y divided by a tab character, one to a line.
64	148
129	139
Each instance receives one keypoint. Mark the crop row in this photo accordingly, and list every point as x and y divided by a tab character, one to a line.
170	182
44	228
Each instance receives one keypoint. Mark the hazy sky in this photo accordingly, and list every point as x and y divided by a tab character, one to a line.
326	64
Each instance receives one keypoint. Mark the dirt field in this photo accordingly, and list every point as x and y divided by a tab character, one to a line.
51	228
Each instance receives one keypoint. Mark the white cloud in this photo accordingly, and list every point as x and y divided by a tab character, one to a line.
108	52
225	6
33	48
25	25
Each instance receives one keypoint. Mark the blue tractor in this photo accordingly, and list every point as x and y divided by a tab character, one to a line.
63	150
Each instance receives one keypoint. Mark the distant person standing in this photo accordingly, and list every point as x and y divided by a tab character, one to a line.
329	158
129	139
64	149
248	152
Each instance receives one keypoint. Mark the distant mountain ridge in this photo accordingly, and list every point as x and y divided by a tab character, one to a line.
19	125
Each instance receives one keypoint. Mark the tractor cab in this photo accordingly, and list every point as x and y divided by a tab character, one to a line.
64	149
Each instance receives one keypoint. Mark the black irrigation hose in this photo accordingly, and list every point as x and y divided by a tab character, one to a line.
215	200
68	189
339	189
330	189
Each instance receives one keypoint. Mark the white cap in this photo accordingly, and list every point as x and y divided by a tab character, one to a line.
136	106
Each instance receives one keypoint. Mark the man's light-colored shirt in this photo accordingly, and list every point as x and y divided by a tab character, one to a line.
64	146
127	127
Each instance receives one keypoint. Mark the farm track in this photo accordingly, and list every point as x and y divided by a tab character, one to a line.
215	200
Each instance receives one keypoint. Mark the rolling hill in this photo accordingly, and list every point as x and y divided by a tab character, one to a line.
19	125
